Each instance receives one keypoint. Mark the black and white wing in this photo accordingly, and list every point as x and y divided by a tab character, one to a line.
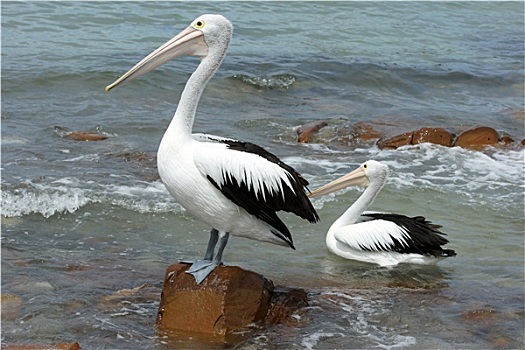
257	181
394	233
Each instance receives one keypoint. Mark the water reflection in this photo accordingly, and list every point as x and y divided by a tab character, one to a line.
355	274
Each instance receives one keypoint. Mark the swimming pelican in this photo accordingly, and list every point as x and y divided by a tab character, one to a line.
235	187
381	238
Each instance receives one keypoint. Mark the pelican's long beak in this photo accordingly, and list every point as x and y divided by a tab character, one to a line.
189	42
354	178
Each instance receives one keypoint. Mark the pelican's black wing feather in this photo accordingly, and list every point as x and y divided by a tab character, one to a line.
423	236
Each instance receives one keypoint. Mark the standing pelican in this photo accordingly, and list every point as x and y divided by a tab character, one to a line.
235	187
381	238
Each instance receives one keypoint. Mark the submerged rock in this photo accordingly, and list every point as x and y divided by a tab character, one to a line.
437	136
306	131
227	302
65	346
84	136
283	303
364	131
483	316
124	293
396	141
11	305
477	138
506	140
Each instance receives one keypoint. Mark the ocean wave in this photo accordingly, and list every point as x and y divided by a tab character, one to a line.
25	201
276	81
68	196
496	177
468	176
311	340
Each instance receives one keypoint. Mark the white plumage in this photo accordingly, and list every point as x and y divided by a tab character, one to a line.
235	187
370	234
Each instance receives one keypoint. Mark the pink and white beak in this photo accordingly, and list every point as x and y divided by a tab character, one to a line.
189	42
354	178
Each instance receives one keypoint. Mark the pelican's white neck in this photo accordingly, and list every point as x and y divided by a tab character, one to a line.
351	215
182	122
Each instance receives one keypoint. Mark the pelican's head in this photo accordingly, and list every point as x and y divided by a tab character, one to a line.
367	172
207	35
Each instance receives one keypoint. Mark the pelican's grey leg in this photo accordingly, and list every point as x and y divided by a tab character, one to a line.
201	274
214	237
208	256
198	264
222	244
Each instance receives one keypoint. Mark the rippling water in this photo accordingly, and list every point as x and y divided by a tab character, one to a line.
83	220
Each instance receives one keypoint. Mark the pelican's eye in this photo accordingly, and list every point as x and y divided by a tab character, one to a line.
365	166
199	24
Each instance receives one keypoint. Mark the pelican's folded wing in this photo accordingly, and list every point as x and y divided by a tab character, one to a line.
375	235
210	138
255	180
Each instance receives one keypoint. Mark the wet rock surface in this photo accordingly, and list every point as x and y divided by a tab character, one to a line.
77	135
84	136
284	302
63	346
439	136
364	131
11	305
229	301
396	141
477	137
306	131
482	316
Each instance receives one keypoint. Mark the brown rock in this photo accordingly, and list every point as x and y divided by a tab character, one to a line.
506	140
477	137
438	136
501	342
124	293
483	316
228	300
139	157
11	305
84	136
284	302
523	142
305	132
364	131
396	141
68	346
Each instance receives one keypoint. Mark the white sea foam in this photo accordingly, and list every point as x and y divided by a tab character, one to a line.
497	176
310	341
84	158
71	194
473	177
26	201
13	141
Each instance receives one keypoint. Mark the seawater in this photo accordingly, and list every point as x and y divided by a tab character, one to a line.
84	220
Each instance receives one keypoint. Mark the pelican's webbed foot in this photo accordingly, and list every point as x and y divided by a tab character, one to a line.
200	269
198	265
